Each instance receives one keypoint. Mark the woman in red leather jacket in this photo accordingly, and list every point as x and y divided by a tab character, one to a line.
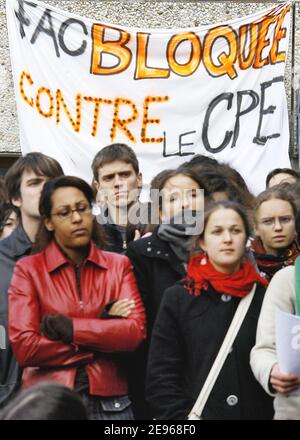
58	322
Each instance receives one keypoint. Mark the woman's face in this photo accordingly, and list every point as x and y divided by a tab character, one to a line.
224	240
275	225
10	224
180	192
71	219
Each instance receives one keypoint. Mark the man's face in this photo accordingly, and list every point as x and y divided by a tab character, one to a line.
30	190
118	184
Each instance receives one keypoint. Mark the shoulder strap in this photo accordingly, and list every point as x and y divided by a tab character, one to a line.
297	285
235	325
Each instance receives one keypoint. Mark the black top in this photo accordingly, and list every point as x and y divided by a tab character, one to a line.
156	268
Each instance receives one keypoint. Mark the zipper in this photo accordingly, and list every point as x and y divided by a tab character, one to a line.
78	286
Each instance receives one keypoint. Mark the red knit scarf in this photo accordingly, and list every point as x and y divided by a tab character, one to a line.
237	284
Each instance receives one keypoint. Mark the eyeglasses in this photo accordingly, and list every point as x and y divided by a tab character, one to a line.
283	220
68	212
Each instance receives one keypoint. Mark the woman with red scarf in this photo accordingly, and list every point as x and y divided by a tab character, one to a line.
193	320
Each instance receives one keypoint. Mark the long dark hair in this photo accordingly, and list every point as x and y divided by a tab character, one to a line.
44	236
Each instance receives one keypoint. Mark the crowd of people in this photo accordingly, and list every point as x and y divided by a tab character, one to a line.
114	309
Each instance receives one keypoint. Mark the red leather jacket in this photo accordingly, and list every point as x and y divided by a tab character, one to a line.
46	283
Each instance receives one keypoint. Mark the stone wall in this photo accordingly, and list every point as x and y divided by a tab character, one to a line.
146	13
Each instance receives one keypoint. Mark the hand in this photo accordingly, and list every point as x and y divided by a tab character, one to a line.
48	329
122	308
282	382
138	235
57	327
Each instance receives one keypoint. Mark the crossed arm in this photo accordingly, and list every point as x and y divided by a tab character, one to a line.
89	334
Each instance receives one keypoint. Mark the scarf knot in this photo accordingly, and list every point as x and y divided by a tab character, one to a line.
178	231
270	264
201	273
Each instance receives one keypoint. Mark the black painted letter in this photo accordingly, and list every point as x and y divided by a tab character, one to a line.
212	105
259	139
255	100
20	14
49	31
61	35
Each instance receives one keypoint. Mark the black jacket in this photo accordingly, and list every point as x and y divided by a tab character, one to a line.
14	247
156	268
186	338
114	239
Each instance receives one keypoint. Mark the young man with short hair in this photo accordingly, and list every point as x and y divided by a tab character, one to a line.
24	181
118	182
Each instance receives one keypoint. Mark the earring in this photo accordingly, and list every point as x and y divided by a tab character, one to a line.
204	260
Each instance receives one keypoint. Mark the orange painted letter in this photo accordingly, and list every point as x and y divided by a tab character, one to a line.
147	121
191	66
47	92
226	60
60	101
262	42
116	48
21	85
142	71
97	102
248	34
121	123
280	32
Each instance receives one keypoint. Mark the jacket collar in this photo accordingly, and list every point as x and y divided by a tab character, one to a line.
155	243
17	244
154	247
55	257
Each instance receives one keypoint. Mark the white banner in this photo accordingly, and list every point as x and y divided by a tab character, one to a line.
170	94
